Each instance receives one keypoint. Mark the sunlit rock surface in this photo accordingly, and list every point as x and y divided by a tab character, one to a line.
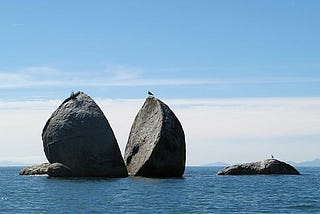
79	136
41	169
156	146
269	166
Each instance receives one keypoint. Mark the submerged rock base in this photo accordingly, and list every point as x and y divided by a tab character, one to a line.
266	167
41	169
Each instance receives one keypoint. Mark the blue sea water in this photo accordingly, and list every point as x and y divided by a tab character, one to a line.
200	191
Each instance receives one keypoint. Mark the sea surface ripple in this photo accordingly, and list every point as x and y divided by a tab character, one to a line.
200	191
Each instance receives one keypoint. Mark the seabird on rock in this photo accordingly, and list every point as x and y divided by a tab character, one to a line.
150	94
272	157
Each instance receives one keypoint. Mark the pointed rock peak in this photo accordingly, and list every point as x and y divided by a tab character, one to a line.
78	98
156	145
79	136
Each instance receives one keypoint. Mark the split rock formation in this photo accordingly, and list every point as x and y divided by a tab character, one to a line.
78	141
156	146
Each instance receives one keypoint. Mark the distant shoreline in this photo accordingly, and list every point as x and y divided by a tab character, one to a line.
312	163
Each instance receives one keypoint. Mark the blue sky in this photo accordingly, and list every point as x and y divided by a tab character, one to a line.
246	48
209	52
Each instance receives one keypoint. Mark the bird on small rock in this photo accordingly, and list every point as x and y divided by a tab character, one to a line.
150	93
272	157
72	94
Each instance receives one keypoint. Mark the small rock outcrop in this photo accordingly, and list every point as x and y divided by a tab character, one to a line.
78	136
266	167
41	169
54	170
156	146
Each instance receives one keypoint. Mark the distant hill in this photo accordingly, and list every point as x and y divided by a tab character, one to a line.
313	163
222	164
12	163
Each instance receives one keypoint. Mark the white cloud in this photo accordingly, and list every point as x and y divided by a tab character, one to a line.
237	130
231	130
121	73
44	76
251	117
29	77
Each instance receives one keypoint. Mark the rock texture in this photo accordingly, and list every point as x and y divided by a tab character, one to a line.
55	170
59	170
35	170
79	136
156	145
269	166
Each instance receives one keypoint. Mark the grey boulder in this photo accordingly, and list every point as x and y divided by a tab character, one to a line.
156	146
79	136
266	167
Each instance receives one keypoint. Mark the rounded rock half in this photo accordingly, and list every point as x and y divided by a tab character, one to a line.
79	136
